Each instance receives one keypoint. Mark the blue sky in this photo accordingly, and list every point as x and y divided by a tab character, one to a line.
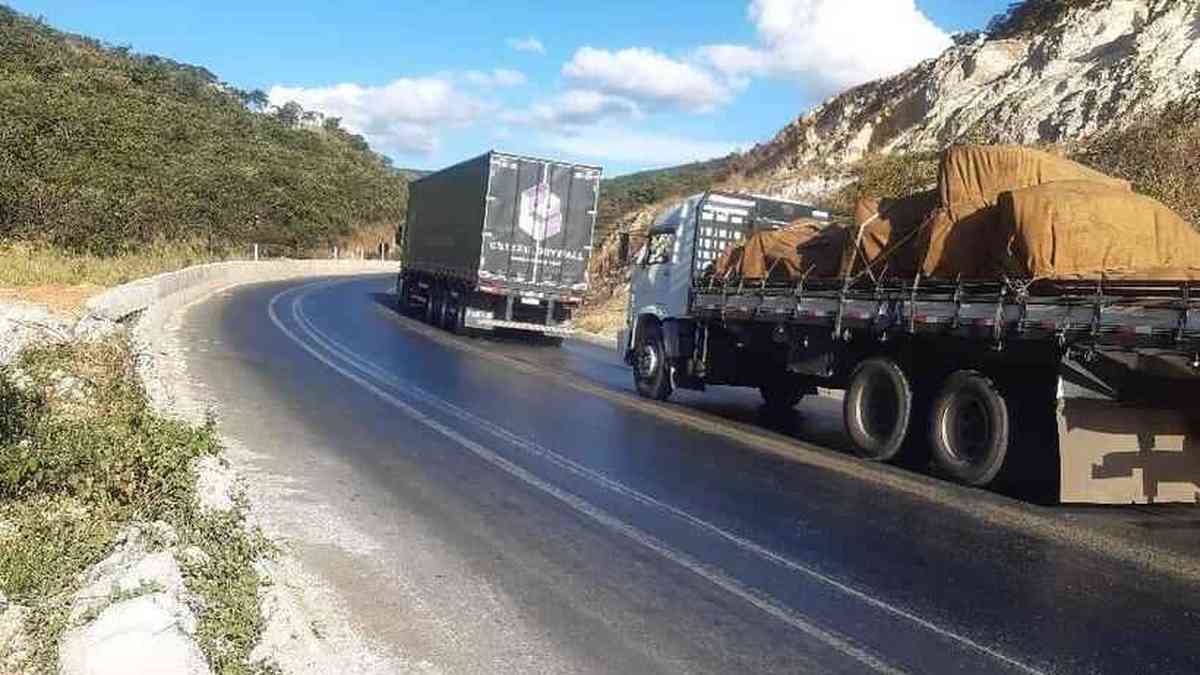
626	84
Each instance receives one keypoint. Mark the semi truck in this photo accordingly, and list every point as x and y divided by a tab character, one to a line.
1087	385
500	241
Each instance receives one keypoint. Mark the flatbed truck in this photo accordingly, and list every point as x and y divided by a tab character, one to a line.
1092	385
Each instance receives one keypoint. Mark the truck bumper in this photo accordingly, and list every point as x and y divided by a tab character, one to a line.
488	324
1115	454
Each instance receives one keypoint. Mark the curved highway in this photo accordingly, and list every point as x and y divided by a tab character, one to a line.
484	505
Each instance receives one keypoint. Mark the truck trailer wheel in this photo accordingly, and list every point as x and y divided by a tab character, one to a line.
878	409
651	373
456	316
433	307
970	428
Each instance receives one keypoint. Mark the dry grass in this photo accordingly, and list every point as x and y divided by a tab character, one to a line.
29	265
64	281
606	317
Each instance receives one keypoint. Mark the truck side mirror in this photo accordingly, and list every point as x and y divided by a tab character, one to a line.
623	247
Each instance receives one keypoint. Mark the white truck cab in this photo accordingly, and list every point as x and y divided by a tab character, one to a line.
681	245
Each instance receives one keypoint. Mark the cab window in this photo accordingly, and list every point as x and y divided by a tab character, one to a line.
660	248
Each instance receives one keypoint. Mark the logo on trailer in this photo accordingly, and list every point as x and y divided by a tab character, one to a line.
540	213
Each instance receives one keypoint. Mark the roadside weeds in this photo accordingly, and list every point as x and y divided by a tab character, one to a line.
83	460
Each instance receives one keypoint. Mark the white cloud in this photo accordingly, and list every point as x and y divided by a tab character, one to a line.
830	45
576	107
644	150
404	116
498	77
648	77
527	44
736	61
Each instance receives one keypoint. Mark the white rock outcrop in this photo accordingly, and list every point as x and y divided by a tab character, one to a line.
131	614
1095	68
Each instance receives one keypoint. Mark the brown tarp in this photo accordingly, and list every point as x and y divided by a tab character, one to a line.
892	237
971	177
804	247
1088	230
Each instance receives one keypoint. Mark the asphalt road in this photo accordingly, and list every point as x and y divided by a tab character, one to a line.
487	506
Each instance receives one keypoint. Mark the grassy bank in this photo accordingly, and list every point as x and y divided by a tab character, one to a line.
81	457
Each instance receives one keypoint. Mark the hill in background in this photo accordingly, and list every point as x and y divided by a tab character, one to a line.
103	151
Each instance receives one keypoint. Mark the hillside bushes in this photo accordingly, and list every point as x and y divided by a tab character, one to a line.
103	151
1159	153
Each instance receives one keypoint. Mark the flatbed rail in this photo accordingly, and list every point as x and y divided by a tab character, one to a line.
1075	314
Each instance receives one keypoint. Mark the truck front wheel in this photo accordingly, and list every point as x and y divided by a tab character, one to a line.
970	429
651	373
878	409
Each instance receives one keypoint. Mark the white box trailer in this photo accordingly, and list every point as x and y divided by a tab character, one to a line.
1092	384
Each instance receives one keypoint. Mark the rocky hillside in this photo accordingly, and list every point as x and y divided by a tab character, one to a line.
1051	71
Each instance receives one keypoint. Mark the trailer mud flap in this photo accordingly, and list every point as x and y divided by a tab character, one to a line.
1116	454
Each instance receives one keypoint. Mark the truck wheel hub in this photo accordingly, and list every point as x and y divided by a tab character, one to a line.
647	361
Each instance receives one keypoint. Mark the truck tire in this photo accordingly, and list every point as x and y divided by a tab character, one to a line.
969	429
878	409
782	394
433	306
651	373
456	316
445	310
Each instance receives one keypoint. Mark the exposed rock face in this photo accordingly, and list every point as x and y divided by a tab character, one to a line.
1095	68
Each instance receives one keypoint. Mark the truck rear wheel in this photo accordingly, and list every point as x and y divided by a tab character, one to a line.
651	373
970	429
433	299
878	409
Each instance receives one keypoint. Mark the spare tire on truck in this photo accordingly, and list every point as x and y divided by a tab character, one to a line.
970	428
878	408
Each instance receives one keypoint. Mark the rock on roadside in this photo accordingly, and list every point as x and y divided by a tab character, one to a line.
132	613
24	325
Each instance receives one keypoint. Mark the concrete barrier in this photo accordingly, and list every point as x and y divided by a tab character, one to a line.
120	302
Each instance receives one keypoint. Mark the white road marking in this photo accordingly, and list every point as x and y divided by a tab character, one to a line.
371	369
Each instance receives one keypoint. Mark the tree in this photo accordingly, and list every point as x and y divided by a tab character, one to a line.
289	113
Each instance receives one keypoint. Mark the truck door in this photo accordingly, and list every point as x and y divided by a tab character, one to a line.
539	223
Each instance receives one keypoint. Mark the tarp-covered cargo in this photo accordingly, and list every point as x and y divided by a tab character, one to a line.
803	248
998	211
967	237
1087	230
974	176
892	239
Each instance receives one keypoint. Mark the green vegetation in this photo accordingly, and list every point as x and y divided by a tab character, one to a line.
886	176
619	196
104	151
81	457
1030	17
